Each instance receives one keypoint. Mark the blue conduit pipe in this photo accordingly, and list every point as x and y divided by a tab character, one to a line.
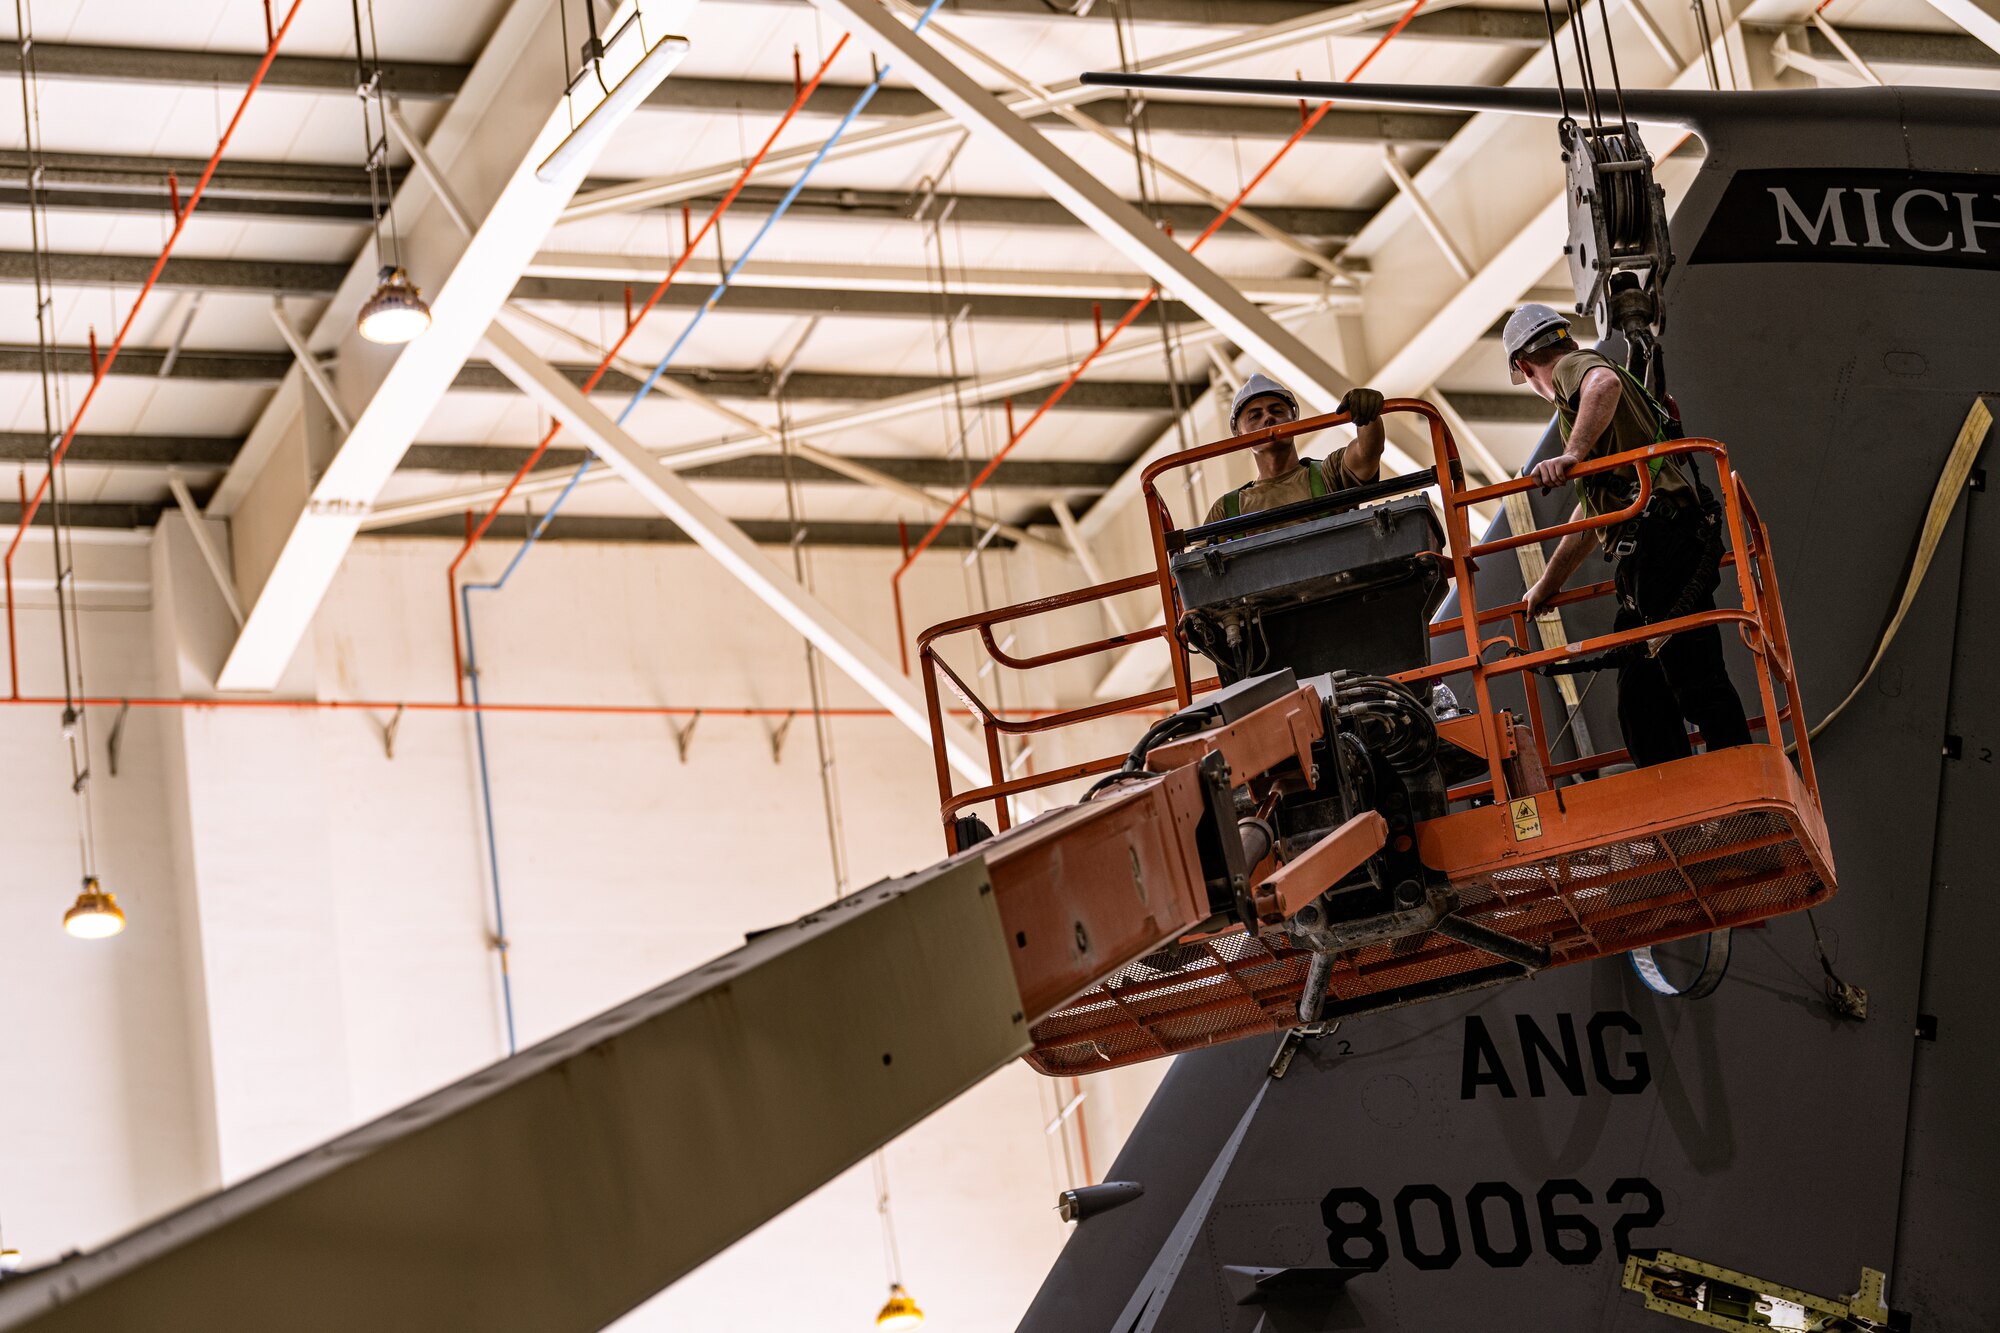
485	776
465	592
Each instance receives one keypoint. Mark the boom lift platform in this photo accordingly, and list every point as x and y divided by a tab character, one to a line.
1317	830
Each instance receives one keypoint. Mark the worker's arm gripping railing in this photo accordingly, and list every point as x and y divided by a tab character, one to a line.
1759	619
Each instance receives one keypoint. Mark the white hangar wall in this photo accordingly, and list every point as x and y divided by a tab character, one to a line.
311	918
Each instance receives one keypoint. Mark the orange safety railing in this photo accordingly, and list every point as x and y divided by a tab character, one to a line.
1759	621
993	725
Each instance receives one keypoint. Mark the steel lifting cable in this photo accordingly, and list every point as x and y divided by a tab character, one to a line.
1626	208
376	141
836	841
1579	36
1137	308
802	570
958	423
1611	54
1556	55
945	323
1587	81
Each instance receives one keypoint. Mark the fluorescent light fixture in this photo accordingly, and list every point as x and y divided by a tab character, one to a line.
95	915
631	71
396	313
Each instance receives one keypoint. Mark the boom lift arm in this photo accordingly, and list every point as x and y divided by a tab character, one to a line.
557	1189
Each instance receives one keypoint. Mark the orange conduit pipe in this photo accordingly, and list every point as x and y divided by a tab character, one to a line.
181	215
1306	124
804	91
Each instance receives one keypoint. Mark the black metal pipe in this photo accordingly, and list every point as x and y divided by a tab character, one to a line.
1677	106
1533	957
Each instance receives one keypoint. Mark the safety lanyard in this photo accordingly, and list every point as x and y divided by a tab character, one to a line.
1660	420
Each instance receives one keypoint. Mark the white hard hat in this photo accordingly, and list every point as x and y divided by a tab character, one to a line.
1530	329
1260	386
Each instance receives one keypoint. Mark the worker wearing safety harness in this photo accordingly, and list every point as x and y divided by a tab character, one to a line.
1282	478
1668	557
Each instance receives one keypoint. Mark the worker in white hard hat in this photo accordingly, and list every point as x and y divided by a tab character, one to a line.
1669	558
1282	477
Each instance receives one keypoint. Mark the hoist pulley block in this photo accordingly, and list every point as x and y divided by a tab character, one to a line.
1619	248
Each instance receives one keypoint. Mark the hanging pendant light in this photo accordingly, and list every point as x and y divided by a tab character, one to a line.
96	916
396	313
900	1310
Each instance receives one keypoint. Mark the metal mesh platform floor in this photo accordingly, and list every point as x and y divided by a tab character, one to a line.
1583	903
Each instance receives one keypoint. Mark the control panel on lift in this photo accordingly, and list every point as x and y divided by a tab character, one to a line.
1312	591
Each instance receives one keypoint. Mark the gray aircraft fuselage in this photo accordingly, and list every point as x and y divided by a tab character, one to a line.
1485	1162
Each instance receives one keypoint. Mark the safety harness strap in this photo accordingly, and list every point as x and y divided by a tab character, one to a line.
1232	503
1665	427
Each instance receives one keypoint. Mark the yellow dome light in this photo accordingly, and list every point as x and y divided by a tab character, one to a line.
96	916
396	313
899	1311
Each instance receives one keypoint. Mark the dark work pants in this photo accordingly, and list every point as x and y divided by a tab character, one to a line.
1687	681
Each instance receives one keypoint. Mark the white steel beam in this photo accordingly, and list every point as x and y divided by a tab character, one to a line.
1087	284
1174	269
1847	52
714	533
296	504
1979	18
218	568
756	437
804	448
1427	215
1792	50
1077	119
1341	19
309	366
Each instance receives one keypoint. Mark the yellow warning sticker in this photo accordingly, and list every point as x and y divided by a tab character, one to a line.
1527	819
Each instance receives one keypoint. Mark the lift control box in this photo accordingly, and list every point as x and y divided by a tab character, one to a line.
1353	590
